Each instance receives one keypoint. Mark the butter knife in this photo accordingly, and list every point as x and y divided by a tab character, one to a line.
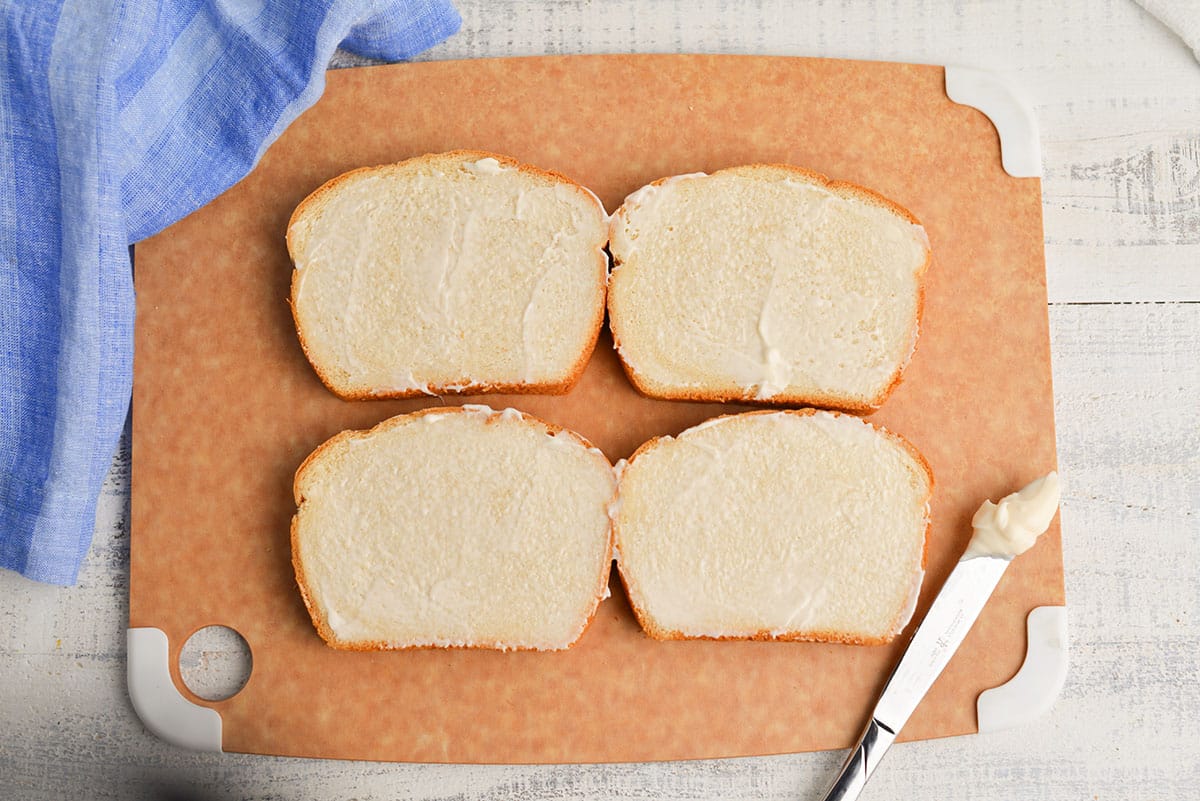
1001	532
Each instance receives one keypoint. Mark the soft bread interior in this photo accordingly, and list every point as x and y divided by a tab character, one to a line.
454	528
793	525
446	273
765	282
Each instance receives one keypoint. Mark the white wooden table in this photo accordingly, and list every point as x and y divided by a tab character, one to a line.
1118	102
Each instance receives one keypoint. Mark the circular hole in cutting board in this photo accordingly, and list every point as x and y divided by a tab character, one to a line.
215	663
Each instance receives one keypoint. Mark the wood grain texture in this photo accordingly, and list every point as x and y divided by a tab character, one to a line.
1109	83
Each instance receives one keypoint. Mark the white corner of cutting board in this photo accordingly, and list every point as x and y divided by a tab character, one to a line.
156	700
1032	692
1020	148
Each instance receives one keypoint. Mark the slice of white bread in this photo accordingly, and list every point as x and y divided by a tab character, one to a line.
454	527
774	525
767	282
459	272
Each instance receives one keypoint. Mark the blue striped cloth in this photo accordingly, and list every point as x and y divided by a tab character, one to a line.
116	120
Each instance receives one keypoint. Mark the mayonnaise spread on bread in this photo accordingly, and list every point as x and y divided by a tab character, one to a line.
447	273
715	542
413	534
645	198
768	283
1011	527
488	166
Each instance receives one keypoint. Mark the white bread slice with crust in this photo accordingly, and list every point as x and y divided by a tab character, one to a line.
766	282
459	272
454	527
774	525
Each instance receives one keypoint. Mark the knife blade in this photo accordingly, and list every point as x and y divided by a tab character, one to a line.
951	616
1000	532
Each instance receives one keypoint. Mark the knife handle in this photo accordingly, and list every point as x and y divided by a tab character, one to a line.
861	763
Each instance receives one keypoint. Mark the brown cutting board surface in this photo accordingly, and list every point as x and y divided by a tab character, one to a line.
226	408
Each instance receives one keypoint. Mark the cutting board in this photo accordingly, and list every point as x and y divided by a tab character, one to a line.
226	408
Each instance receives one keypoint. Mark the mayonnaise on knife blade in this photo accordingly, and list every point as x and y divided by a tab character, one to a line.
1011	527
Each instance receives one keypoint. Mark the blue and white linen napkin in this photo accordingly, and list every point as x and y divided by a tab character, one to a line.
117	118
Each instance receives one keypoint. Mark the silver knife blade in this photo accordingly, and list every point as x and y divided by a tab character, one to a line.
951	616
